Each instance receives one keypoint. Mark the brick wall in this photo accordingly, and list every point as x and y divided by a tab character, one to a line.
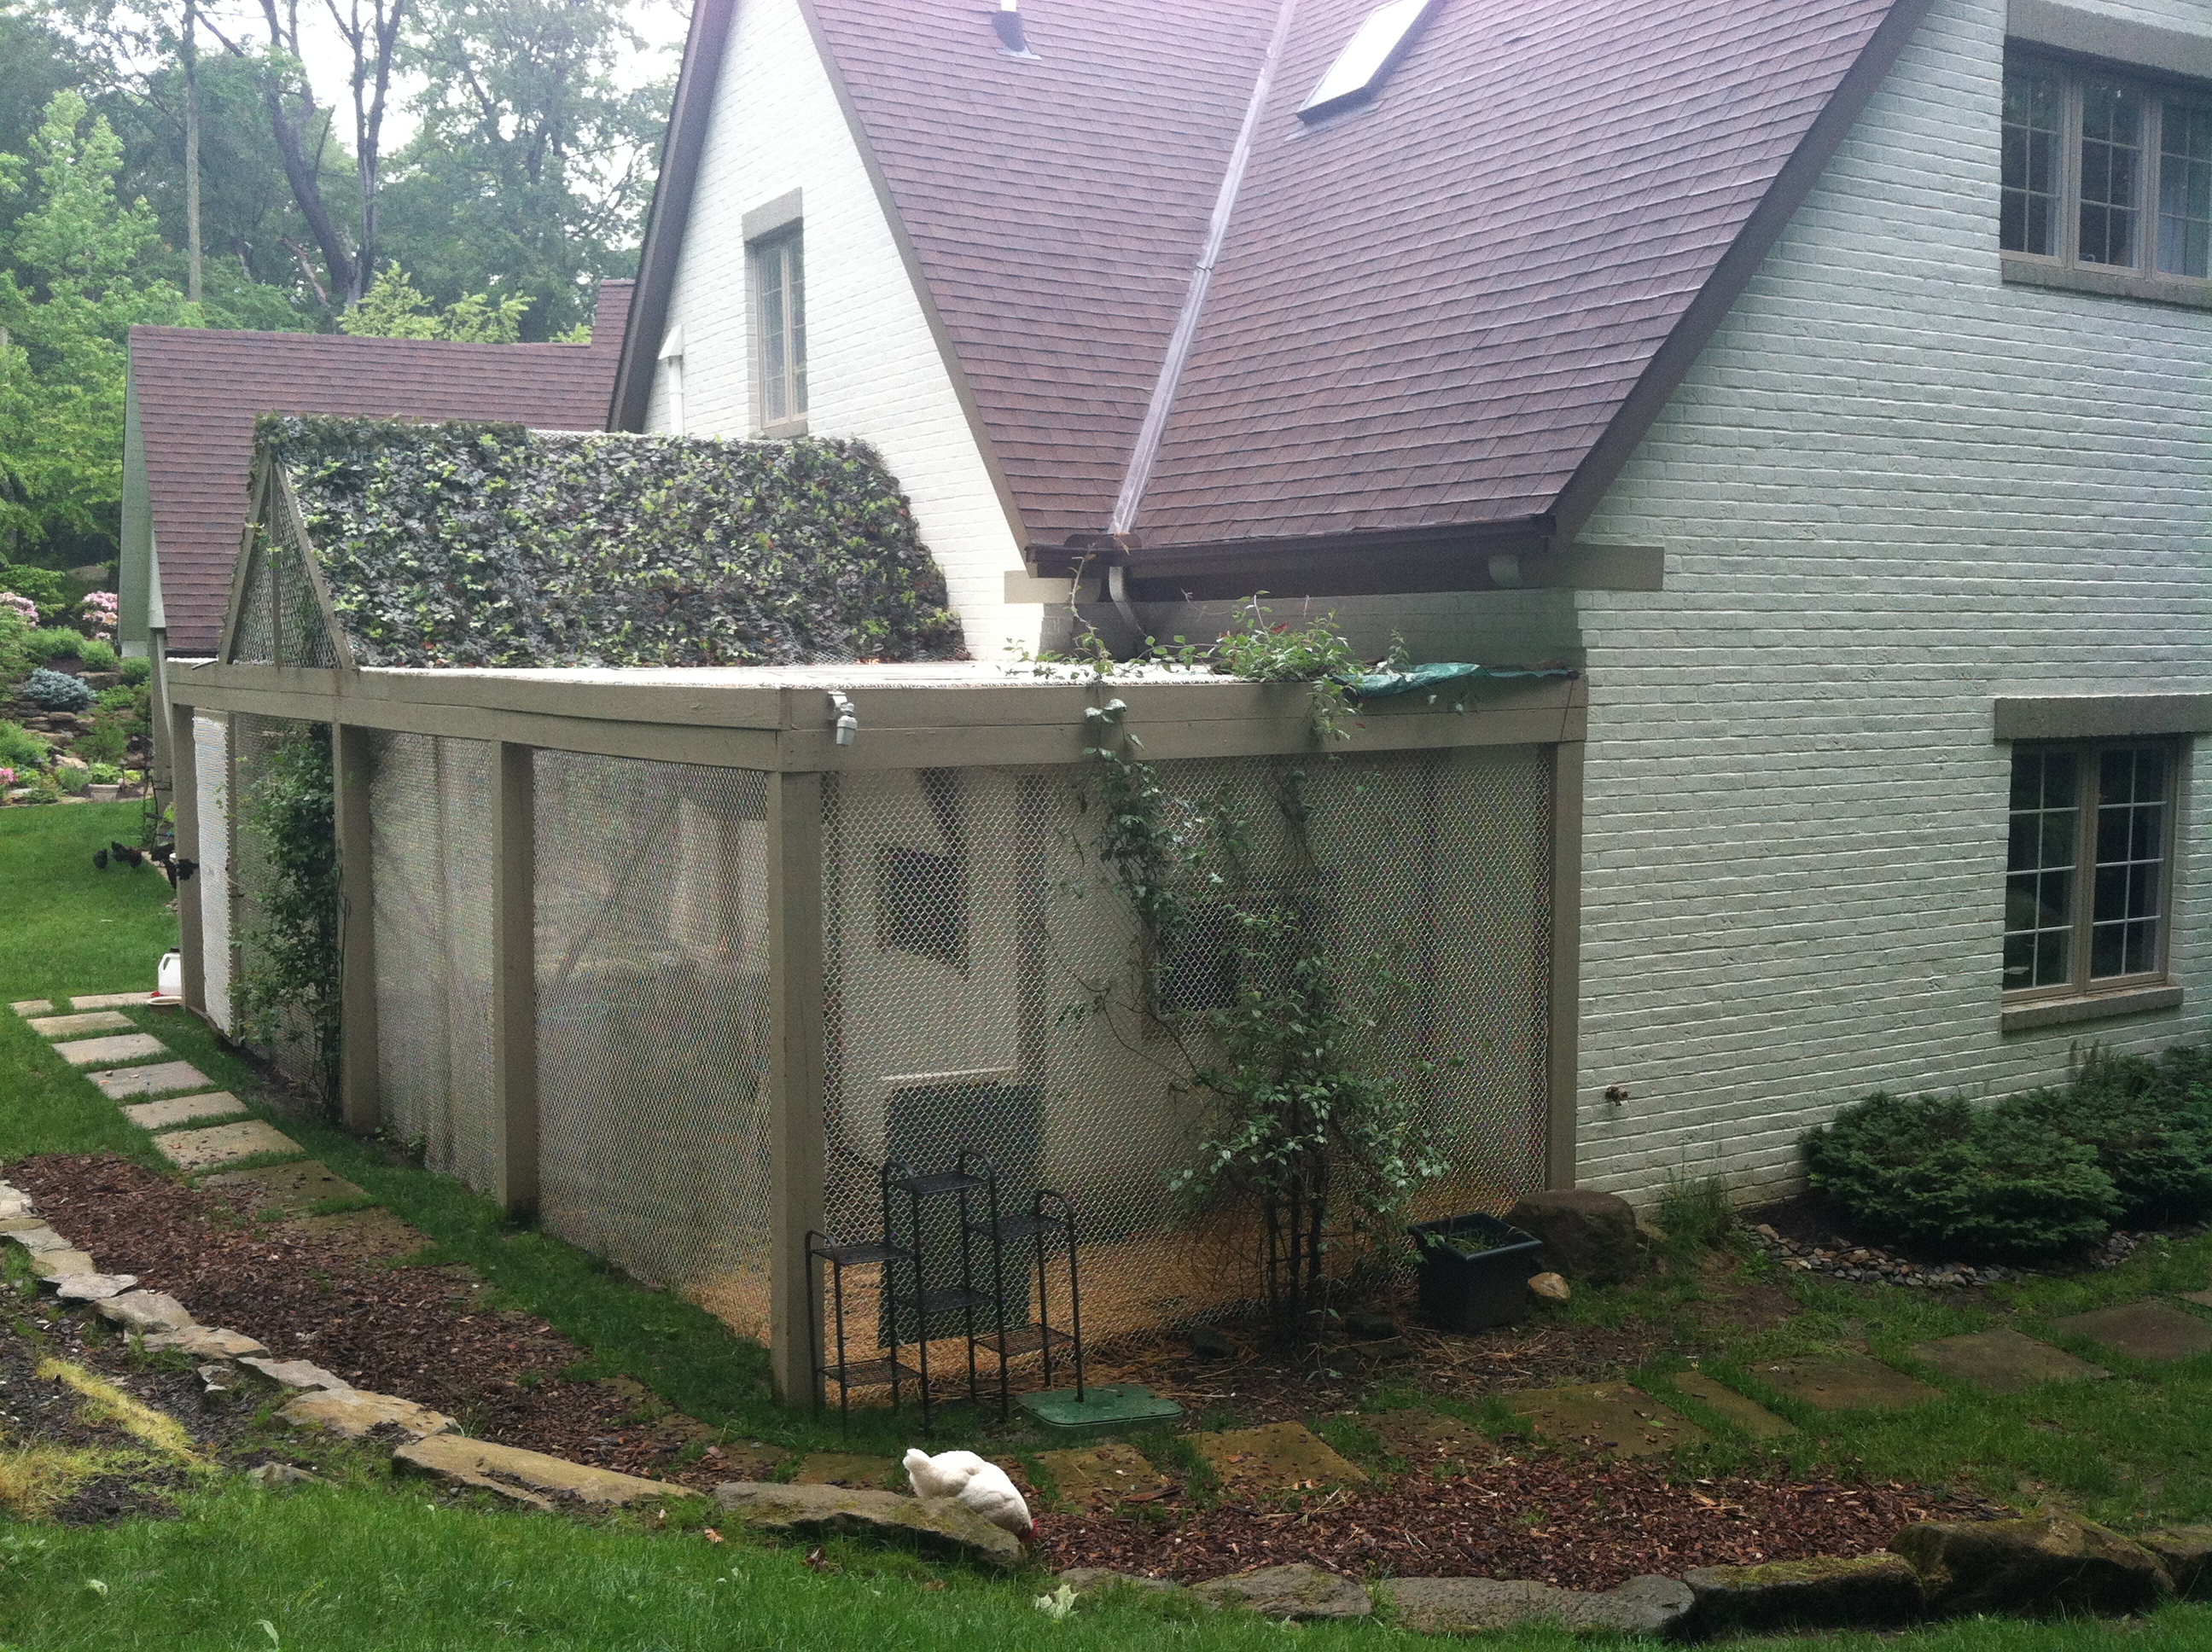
873	367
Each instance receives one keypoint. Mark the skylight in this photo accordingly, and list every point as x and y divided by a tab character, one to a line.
1367	58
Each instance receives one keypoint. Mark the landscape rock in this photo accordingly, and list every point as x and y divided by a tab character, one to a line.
94	1287
37	1238
1874	1591
1098	1580
527	1477
2052	1562
206	1342
1468	1606
937	1524
355	1413
1366	1326
2186	1551
1550	1287
56	1266
1296	1594
145	1310
1586	1234
297	1373
1208	1343
283	1474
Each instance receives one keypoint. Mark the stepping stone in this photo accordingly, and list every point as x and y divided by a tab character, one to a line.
353	1414
374	1234
2004	1361
94	1287
1296	1594
76	1026
527	1477
1618	1420
207	1341
290	1188
167	1115
149	1080
1748	1415
2155	1332
1102	1476
1472	1605
2202	1298
109	1000
1427	1437
30	1006
224	1144
845	1469
1847	1383
56	1266
814	1512
125	1047
298	1374
1280	1457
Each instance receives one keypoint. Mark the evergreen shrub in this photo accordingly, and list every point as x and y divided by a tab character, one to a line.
56	691
52	642
2147	1137
136	670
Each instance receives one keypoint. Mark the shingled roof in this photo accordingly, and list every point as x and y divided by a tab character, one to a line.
1447	315
198	392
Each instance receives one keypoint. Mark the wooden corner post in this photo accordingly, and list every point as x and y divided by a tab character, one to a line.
795	1071
514	979
359	1105
184	798
1563	1059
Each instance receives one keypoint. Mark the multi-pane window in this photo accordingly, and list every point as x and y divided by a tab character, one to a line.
2085	867
780	330
2106	172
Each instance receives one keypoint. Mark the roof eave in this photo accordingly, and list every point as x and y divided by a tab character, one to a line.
1466	556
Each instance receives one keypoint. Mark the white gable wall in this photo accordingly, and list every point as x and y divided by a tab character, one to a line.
1893	489
873	367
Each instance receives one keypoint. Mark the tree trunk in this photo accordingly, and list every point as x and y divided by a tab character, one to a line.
191	62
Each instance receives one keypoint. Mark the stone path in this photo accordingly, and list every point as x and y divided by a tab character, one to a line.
1280	1457
1102	1476
2004	1361
1846	1382
2148	1331
1730	1406
1614	1419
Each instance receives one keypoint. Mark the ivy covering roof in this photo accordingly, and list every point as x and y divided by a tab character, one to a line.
468	544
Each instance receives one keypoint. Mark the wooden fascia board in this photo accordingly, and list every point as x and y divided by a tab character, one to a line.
691	115
1672	362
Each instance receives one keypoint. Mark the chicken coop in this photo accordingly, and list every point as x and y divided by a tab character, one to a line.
678	958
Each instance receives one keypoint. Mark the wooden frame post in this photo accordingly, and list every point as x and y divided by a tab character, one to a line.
359	1103
185	798
1562	1057
514	979
795	1072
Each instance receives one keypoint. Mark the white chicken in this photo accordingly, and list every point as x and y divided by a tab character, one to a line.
976	1485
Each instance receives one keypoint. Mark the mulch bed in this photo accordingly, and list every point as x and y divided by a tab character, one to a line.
1557	1518
420	1333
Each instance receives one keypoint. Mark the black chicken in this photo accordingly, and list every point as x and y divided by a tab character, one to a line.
100	860
127	855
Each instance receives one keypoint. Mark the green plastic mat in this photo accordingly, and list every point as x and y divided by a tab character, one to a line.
1103	1406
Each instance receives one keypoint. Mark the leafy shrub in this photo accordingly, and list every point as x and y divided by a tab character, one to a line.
98	611
108	740
2123	1109
40	586
72	780
55	642
56	691
106	774
1937	1173
99	655
136	672
121	699
20	749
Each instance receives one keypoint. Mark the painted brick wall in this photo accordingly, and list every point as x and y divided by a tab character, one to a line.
873	367
1893	489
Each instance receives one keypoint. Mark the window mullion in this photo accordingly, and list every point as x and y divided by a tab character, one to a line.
2085	868
2070	168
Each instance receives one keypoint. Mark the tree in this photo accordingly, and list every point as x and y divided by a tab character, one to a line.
391	308
66	307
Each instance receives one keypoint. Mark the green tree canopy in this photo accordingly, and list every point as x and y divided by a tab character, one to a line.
391	308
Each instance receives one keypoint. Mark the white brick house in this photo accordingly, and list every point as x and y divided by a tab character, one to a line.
1582	290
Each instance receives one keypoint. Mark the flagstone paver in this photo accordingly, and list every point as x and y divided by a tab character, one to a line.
149	1080
1099	1476
55	1266
290	1188
2151	1331
30	1006
1748	1415
2004	1361
75	1026
223	1143
2202	1298
1427	1437
1277	1457
1618	1420
850	1469
183	1109
109	1000
1846	1382
125	1047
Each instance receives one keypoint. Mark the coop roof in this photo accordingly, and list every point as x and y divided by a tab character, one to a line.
198	391
382	543
1447	312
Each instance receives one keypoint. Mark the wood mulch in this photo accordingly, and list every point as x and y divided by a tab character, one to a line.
1557	1518
423	1334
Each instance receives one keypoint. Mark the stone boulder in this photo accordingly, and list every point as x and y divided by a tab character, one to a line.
1100	1580
1874	1591
355	1414
2053	1563
1294	1594
529	1478
940	1525
145	1310
1587	1236
1469	1605
2186	1551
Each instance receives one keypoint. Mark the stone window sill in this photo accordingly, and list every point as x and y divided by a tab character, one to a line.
781	430
2101	1006
2109	284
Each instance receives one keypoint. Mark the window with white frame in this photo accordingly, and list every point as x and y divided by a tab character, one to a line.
779	283
2105	172
2086	867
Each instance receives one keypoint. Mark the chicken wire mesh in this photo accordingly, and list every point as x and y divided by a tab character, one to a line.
652	1022
280	620
431	851
212	884
971	935
287	1034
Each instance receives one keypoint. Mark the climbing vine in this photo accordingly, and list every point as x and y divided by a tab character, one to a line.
287	988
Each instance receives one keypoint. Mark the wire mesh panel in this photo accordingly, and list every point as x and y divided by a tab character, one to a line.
287	1034
253	635
981	964
652	1022
279	621
212	801
431	849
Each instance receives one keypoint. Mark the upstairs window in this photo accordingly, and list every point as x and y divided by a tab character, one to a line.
2106	174
2086	867
779	283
